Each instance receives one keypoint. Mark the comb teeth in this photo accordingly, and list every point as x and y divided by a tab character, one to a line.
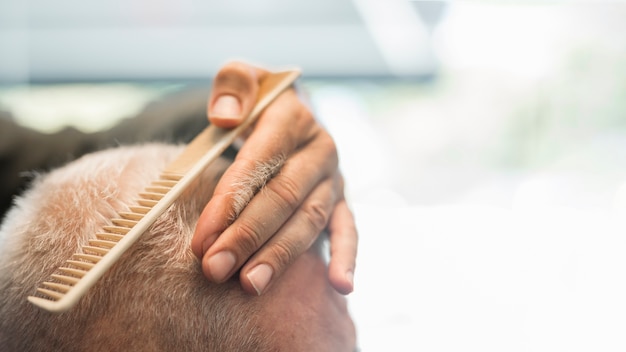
131	216
165	183
96	250
81	264
87	257
124	222
139	209
56	295
102	243
158	190
152	196
60	288
111	237
74	272
116	229
147	202
66	279
76	268
170	176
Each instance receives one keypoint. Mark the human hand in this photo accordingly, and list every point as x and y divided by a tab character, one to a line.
283	189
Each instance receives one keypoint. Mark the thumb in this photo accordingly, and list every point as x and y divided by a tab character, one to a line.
234	94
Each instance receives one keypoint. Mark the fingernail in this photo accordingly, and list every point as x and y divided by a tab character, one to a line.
260	276
220	265
226	106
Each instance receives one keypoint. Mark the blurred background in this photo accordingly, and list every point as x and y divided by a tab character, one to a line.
483	142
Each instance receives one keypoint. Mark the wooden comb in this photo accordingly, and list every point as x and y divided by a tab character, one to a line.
78	274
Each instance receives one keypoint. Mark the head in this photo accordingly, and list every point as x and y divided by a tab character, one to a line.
155	298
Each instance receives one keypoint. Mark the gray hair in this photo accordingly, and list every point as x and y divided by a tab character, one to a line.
154	299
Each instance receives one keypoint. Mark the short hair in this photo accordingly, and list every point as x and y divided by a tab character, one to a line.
155	298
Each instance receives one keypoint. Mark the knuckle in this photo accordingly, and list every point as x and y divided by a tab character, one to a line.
248	237
285	192
306	115
284	252
328	148
316	214
330	144
306	120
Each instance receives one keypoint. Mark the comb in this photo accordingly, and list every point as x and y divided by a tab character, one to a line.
72	280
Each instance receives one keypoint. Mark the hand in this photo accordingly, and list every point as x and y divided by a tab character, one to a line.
283	189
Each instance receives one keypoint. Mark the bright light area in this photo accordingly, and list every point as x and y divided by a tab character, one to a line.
491	203
50	109
490	200
520	39
472	278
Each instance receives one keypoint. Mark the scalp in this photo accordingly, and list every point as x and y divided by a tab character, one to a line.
155	287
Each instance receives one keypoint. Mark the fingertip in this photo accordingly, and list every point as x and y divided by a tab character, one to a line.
198	240
212	222
350	281
342	280
344	247
204	264
218	267
196	246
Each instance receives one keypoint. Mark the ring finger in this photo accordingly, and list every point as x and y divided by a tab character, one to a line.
293	239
